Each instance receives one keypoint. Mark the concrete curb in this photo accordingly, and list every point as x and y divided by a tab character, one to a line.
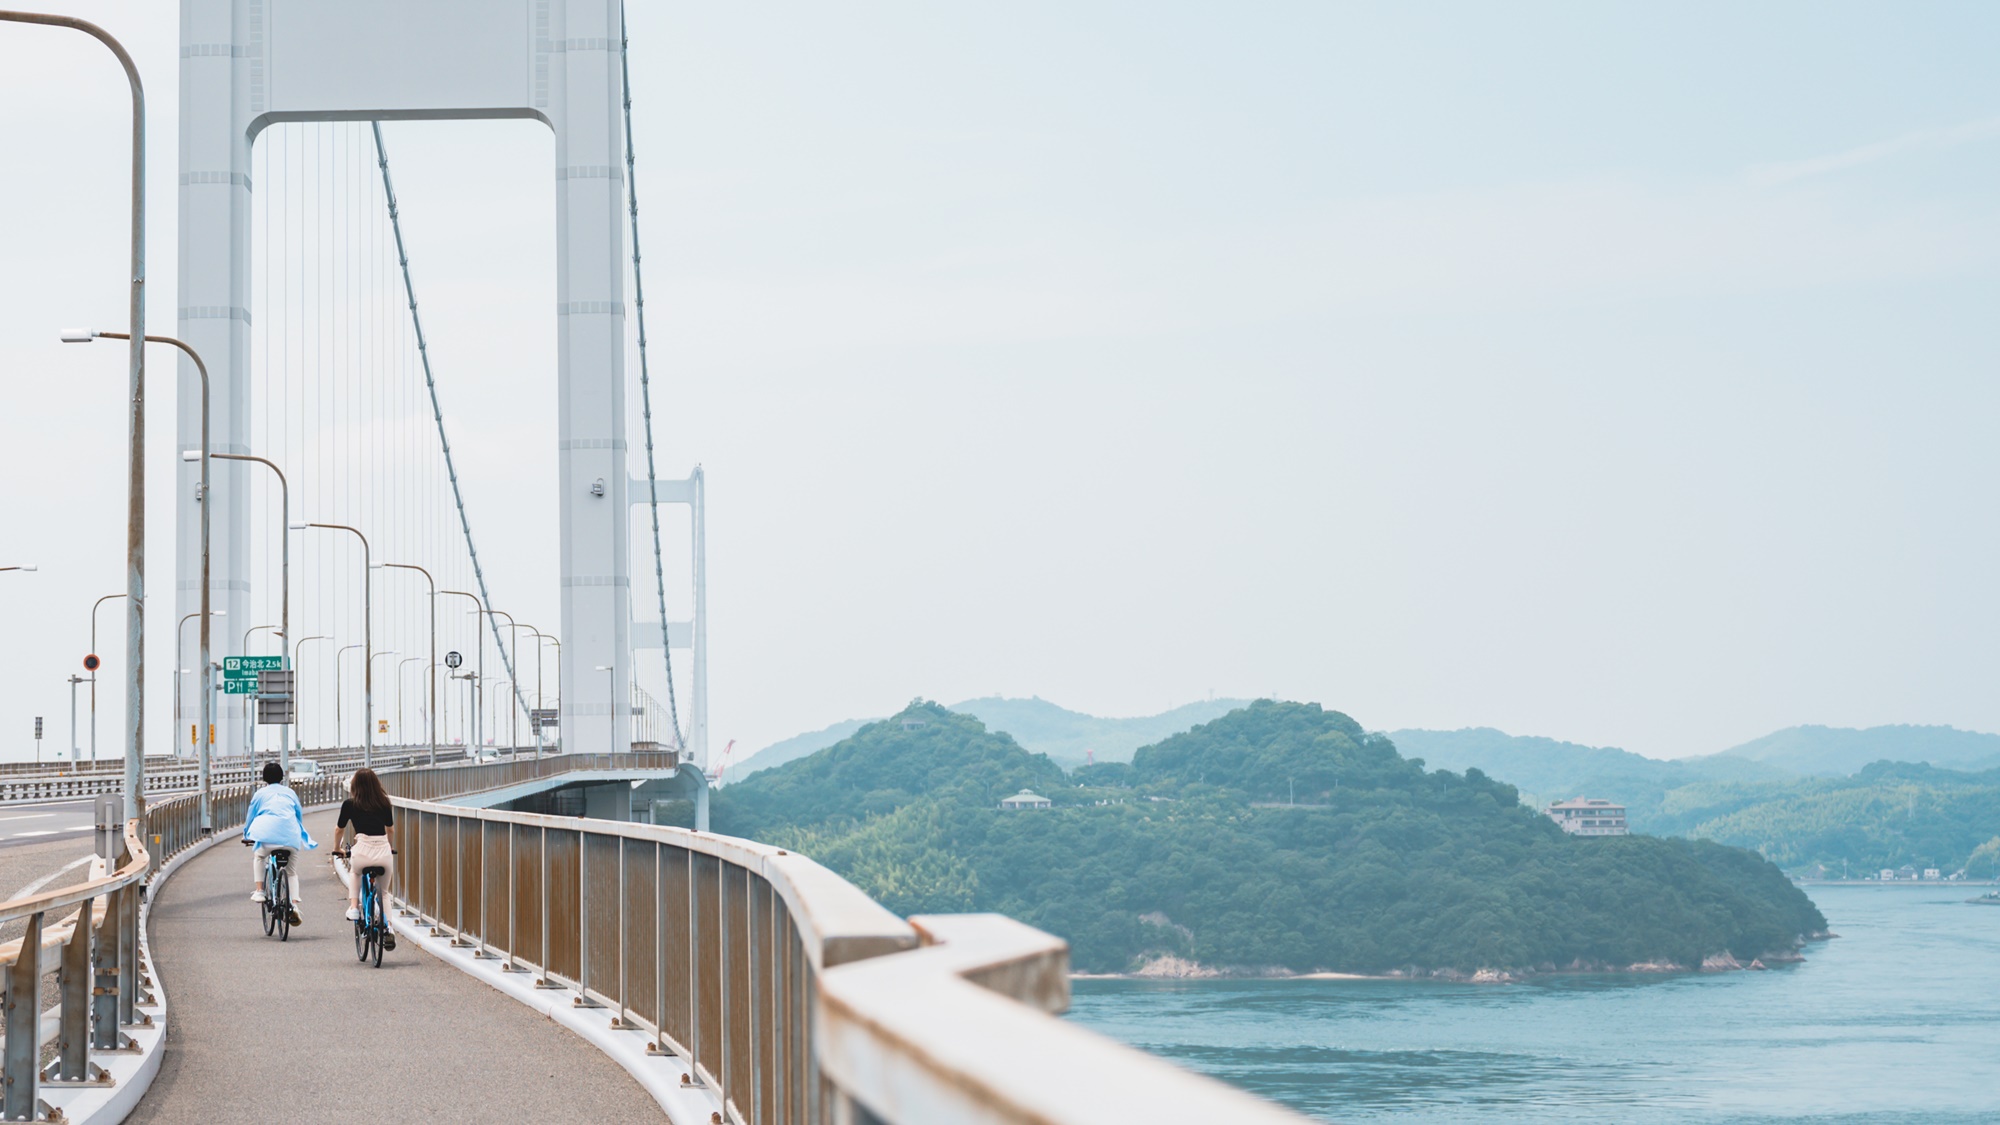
658	1075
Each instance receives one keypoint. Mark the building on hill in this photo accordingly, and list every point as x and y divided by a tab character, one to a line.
1026	799
1588	816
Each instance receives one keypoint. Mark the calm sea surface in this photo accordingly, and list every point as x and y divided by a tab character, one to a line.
1897	1020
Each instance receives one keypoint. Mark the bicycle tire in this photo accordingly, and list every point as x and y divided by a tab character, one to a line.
284	911
270	895
375	925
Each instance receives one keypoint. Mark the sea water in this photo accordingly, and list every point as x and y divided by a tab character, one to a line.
1896	1020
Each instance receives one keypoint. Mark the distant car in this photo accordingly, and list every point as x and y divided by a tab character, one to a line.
487	756
304	769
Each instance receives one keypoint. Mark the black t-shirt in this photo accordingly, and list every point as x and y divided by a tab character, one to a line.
366	823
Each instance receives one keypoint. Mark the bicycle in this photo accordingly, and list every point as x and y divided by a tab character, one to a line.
277	904
371	930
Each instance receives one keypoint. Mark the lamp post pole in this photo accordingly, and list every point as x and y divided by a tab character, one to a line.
431	714
337	723
479	685
367	643
559	663
539	702
297	650
399	689
135	489
93	676
180	639
284	584
514	644
201	455
370	720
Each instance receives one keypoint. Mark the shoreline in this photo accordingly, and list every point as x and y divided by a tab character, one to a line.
1179	969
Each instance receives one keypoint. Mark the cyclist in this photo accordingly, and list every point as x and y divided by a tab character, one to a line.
373	818
276	821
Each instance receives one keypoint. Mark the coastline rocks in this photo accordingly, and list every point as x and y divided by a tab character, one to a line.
1655	967
1720	963
1169	967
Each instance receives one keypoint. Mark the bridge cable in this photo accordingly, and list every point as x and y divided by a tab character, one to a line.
645	375
437	413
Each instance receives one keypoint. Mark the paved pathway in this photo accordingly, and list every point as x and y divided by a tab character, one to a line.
261	1031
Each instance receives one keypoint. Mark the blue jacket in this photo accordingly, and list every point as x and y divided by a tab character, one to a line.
277	819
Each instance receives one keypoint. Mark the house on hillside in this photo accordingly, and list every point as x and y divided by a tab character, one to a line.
1026	799
1588	816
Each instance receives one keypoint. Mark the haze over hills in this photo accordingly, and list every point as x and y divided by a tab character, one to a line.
1886	814
1841	751
1067	737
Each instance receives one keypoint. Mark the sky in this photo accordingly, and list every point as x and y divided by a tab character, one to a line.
1621	374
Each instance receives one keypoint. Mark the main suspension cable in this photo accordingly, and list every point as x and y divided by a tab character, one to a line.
437	413
645	376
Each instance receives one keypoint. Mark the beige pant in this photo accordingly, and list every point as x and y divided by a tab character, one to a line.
369	851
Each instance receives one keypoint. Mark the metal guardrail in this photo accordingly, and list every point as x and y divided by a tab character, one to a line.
794	997
454	781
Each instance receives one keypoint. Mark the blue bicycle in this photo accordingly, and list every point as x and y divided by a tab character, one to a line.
371	930
277	904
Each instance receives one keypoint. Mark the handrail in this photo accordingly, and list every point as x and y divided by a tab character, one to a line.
134	870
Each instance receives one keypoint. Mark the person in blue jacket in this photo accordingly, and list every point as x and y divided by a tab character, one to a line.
276	820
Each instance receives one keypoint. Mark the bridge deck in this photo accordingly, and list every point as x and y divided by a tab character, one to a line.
261	1031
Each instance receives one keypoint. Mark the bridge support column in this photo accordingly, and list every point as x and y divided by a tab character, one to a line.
213	316
590	308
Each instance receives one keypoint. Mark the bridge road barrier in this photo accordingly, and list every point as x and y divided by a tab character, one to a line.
785	990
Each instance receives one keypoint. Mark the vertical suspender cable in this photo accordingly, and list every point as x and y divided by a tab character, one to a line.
645	375
437	412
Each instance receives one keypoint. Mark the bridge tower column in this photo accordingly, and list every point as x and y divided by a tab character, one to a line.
213	316
590	340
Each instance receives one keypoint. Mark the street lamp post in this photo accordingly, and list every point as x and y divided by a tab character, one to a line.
284	584
93	677
201	455
337	725
479	689
369	719
400	723
513	670
367	641
26	568
180	641
559	679
250	703
431	717
135	434
297	650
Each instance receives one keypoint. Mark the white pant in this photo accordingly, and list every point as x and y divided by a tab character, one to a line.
257	856
369	851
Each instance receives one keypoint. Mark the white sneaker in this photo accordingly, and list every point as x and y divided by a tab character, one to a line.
256	896
353	914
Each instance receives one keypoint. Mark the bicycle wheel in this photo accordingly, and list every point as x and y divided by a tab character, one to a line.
283	910
270	899
375	927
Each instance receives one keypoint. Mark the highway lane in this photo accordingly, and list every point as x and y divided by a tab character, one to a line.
26	823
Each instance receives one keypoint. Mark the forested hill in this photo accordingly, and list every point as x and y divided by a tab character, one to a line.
1381	866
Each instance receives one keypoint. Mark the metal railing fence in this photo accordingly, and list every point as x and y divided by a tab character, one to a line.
792	996
710	945
453	781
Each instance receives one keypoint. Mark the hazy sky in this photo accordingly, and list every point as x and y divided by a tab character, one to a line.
1621	374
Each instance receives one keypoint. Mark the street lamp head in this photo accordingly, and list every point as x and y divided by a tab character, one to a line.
604	667
190	454
299	526
78	335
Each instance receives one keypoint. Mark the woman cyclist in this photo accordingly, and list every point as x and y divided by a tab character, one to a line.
373	820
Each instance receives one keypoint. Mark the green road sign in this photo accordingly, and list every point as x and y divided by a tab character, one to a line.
247	667
240	686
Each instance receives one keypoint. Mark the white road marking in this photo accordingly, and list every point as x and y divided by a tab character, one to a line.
45	880
31	832
29	816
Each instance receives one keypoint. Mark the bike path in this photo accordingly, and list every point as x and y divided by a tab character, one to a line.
261	1030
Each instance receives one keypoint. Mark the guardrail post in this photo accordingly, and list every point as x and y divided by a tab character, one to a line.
480	952
620	1021
22	1053
104	993
545	980
129	1014
73	1041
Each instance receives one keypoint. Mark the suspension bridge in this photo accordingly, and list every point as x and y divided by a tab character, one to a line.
566	953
